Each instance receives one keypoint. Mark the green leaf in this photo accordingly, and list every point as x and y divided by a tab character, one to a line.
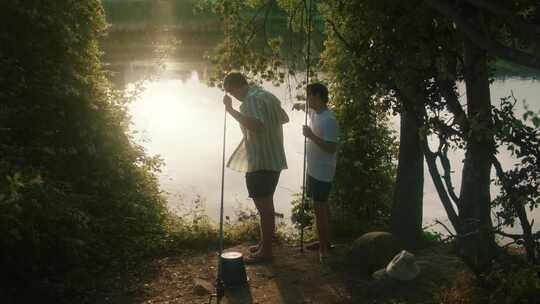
536	121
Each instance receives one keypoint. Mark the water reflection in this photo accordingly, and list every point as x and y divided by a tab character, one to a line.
126	74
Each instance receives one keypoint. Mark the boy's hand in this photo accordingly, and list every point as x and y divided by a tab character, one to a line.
307	132
227	101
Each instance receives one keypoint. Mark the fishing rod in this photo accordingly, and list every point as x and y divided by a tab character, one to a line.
219	284
220	287
308	71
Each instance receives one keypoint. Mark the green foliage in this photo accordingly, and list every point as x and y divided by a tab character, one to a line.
193	229
264	39
521	184
178	14
522	285
365	175
515	286
464	290
245	227
343	223
431	237
75	190
303	216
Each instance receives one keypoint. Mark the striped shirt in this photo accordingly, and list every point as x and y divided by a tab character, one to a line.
261	150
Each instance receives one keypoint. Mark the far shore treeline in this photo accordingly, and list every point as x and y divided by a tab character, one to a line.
132	19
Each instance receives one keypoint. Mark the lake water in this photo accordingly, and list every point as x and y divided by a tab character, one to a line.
180	118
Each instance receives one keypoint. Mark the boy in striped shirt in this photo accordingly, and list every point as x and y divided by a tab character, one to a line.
260	154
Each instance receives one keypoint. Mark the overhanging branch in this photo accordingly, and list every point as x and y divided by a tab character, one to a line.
340	36
524	29
482	41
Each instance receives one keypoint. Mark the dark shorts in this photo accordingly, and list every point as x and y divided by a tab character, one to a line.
318	190
262	183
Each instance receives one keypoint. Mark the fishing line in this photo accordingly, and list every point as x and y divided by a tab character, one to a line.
308	71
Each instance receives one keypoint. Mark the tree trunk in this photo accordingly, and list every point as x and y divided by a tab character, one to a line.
406	220
477	243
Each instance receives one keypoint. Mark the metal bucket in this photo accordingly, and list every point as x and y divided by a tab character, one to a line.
233	270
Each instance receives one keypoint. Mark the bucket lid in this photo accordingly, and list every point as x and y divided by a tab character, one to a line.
231	255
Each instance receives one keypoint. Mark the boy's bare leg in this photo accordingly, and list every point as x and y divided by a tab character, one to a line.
322	214
265	206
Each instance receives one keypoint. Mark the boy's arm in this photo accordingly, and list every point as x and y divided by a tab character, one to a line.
252	124
284	116
330	147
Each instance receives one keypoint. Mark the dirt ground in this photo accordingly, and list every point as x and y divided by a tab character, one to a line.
292	277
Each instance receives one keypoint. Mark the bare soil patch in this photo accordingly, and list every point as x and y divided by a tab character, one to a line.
292	277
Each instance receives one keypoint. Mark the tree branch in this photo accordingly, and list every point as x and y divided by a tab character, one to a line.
453	105
348	46
484	42
445	227
443	155
268	6
446	84
519	209
523	28
436	177
509	235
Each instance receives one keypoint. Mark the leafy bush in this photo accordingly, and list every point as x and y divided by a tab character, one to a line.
363	187
516	286
75	191
431	237
463	291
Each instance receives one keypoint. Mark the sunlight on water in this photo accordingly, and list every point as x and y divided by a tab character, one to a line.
182	121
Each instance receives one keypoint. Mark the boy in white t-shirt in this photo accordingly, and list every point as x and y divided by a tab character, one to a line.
322	133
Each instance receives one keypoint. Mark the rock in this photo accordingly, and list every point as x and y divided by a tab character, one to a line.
202	287
372	251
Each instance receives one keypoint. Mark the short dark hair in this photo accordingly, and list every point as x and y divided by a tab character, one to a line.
318	89
234	80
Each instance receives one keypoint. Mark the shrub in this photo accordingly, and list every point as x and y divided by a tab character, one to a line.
504	287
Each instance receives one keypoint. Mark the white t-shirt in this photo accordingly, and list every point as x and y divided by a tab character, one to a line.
320	164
